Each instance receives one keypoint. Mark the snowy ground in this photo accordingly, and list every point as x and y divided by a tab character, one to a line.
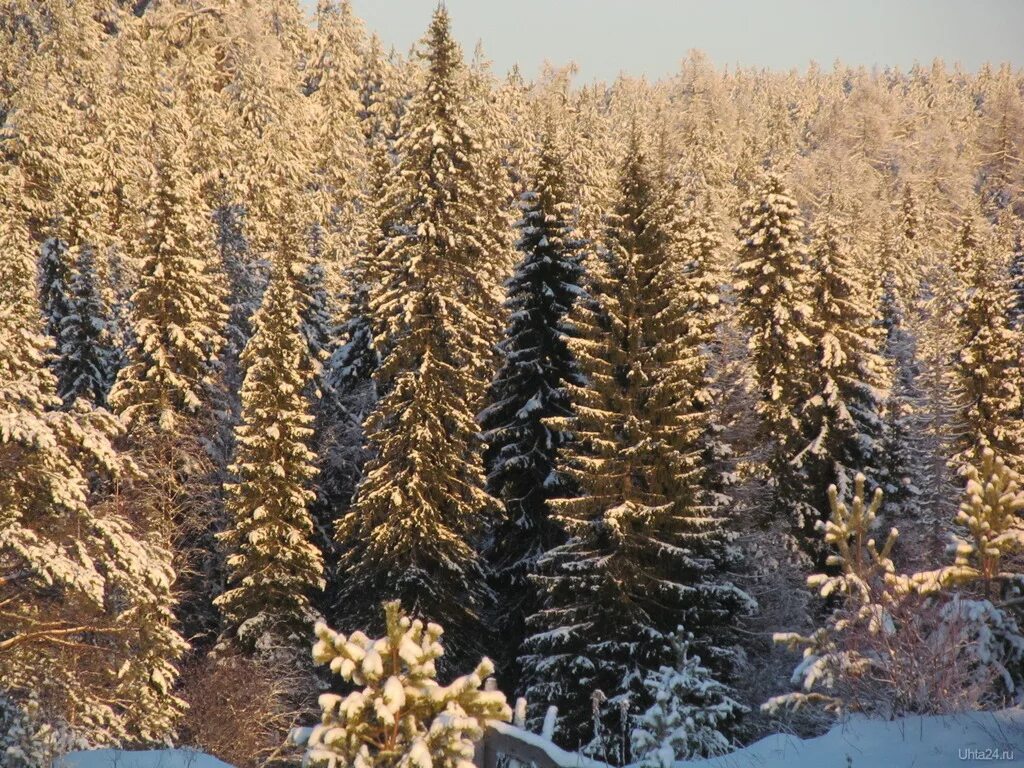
112	758
914	742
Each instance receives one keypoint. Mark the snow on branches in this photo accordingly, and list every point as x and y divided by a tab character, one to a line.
935	641
397	713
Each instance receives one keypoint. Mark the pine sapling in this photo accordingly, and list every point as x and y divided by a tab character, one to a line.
397	714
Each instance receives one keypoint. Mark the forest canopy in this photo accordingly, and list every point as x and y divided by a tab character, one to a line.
615	381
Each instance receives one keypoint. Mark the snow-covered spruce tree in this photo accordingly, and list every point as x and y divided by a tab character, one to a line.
397	714
177	309
85	363
164	390
411	529
644	553
530	388
848	416
84	597
773	295
690	714
274	568
988	361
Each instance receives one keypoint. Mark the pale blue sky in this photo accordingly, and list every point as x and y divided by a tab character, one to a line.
650	37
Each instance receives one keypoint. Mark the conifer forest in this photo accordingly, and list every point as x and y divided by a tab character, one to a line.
350	395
